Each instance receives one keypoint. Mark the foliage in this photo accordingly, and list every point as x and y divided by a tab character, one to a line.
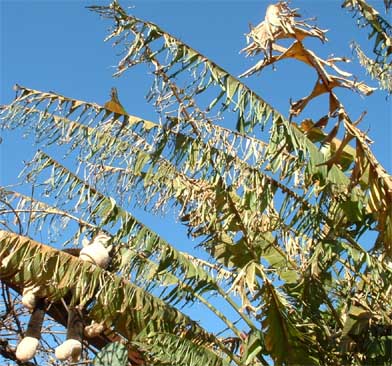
282	223
381	30
113	354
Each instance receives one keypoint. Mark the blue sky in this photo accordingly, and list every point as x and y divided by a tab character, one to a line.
58	45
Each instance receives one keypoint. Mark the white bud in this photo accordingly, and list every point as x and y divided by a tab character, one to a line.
71	348
26	349
29	298
96	252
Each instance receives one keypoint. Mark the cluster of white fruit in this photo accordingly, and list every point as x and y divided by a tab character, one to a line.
97	253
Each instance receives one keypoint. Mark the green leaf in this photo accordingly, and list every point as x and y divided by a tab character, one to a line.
114	354
353	210
289	276
167	349
336	176
253	346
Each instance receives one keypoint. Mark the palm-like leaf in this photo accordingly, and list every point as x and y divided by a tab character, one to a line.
117	303
381	32
276	219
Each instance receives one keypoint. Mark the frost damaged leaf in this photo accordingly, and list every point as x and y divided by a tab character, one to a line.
297	107
321	88
279	23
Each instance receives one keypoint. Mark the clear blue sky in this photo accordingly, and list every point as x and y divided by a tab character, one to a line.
58	45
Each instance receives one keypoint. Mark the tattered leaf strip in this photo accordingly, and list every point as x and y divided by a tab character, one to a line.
140	314
382	72
221	137
116	11
381	29
138	307
140	237
259	110
107	142
187	353
143	240
298	143
101	144
164	166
